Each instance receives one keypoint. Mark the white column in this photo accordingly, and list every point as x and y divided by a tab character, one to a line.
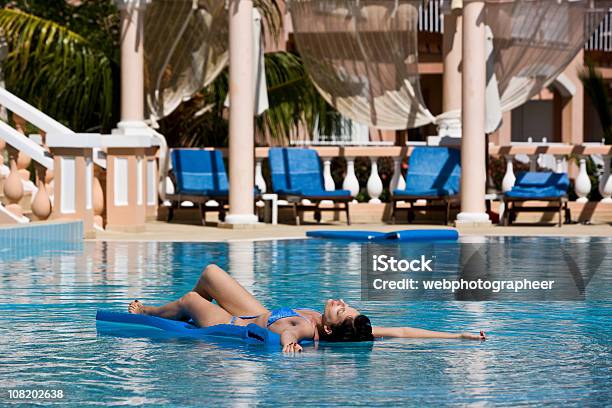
374	186
509	177
605	182
132	65
132	123
450	125
350	180
473	169
241	136
582	187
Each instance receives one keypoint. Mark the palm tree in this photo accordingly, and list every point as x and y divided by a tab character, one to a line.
294	101
294	104
64	59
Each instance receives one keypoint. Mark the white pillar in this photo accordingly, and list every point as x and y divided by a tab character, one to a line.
473	169
582	186
605	183
350	180
241	132
132	66
132	108
450	125
374	186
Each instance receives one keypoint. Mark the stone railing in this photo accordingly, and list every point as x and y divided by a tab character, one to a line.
560	153
21	151
374	184
67	166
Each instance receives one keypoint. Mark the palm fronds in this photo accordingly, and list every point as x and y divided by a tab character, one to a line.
294	101
57	70
595	87
272	14
294	105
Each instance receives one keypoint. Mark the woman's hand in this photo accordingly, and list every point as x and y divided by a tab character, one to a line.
292	348
469	336
290	337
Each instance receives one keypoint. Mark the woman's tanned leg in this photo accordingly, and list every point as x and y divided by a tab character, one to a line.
203	312
190	306
215	283
172	310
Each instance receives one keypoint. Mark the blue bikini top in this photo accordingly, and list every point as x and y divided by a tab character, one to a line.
281	313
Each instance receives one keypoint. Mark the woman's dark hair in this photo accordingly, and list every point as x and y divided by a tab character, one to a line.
357	329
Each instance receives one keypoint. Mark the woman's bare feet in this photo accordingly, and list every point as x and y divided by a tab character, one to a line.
136	307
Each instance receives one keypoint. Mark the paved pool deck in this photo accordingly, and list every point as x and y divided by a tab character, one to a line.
162	231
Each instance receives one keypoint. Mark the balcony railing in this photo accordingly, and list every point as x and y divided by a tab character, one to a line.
601	40
431	19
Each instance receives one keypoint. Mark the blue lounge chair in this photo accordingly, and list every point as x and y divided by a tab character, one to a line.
296	175
538	186
433	175
199	177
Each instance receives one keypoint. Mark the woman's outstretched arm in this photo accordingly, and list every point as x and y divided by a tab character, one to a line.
411	332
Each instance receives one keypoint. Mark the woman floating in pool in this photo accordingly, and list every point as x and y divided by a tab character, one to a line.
236	306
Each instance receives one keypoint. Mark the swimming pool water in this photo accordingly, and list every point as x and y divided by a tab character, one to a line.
538	352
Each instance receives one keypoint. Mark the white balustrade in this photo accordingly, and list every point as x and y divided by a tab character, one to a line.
13	186
41	203
374	186
397	180
328	180
582	187
509	177
605	181
560	163
350	180
260	182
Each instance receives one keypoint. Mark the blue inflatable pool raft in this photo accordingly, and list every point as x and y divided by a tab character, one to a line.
128	322
420	235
